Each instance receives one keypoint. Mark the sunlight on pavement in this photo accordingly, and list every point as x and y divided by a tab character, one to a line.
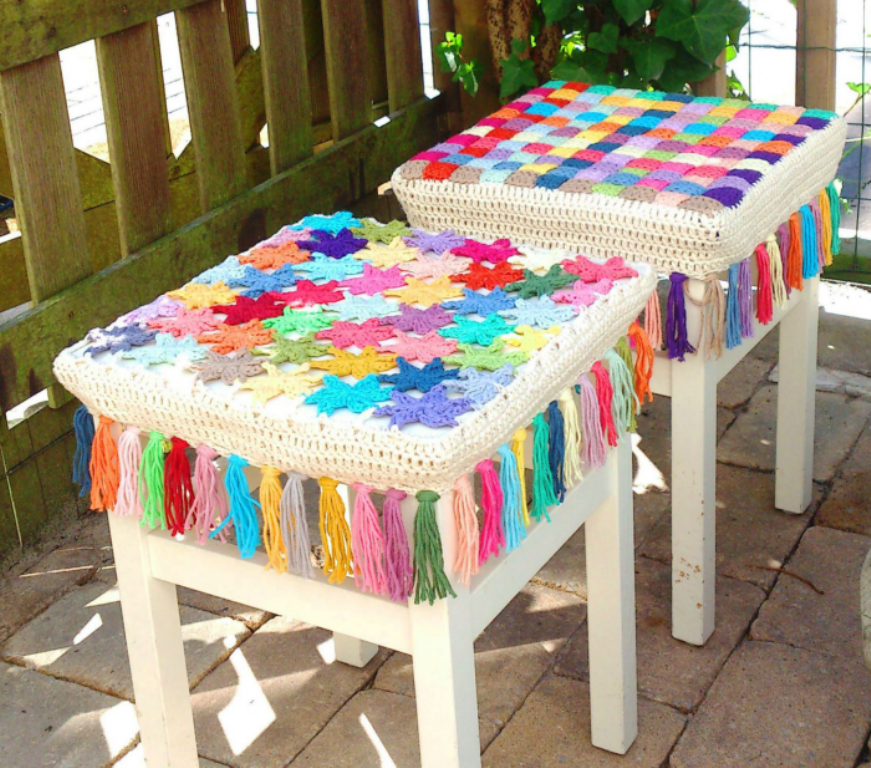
249	713
380	749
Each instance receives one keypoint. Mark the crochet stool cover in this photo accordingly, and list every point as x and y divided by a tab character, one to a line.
369	354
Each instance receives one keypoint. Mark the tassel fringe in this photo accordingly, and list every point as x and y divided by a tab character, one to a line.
430	580
335	533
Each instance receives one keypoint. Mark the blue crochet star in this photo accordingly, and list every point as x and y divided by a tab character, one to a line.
434	408
119	339
336	246
166	349
228	271
482	386
363	308
338	221
483	332
481	303
321	267
258	282
540	313
423	379
336	394
435	243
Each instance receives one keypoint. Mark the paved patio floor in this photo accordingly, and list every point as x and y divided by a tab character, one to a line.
781	682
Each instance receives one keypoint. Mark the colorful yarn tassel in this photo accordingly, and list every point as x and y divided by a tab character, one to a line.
794	257
835	215
625	354
335	532
745	299
178	492
624	402
128	503
270	504
733	310
573	438
83	426
466	523
210	507
512	516
783	240
556	449
543	495
517	448
243	510
644	357
151	481
605	396
676	319
367	543
713	327
825	208
430	580
819	235
595	447
294	527
103	467
764	295
810	263
775	266
653	321
397	558
492	533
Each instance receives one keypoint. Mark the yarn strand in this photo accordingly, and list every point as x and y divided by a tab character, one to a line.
430	580
335	533
294	527
468	536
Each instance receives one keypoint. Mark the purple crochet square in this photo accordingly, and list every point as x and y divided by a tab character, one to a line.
517	124
725	195
672	146
751	177
499	154
733	152
730	182
645	142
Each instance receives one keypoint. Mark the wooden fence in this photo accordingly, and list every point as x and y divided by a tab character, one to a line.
97	239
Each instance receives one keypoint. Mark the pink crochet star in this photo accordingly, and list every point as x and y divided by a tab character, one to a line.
368	334
499	251
590	271
307	294
188	322
426	348
431	266
374	280
582	294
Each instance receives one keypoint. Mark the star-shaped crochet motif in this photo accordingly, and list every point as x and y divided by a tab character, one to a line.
396	252
435	266
423	379
364	308
299	321
368	334
228	271
286	235
321	267
348	364
434	408
490	358
440	242
186	322
228	368
163	306
374	280
284	350
498	251
343	243
382	233
538	259
478	276
482	332
529	339
425	349
119	339
307	294
542	313
197	296
166	349
582	294
481	303
257	282
245	308
420	321
335	223
336	394
425	294
230	338
482	386
590	271
274	257
277	382
542	285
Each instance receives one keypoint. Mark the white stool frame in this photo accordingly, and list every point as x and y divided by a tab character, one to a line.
439	637
692	386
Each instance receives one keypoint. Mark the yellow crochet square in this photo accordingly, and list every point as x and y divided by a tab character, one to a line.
594	136
781	118
562	151
669	106
569	94
639	103
620	119
538	168
615	101
723	111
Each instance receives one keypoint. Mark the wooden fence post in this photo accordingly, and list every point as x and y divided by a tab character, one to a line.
815	54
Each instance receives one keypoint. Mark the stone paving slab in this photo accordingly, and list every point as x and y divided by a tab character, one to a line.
81	638
552	730
49	722
831	380
780	707
275	693
741	383
511	655
135	758
751	534
670	671
750	442
252	617
795	614
848	505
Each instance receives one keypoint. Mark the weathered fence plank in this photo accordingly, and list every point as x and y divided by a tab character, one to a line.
815	54
402	45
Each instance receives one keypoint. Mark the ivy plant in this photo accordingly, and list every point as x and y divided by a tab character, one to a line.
450	56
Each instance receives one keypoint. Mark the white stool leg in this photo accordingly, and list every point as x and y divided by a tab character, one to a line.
693	484
611	611
796	402
444	669
153	630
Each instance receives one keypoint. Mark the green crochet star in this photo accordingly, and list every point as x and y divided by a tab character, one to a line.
534	285
299	321
381	233
481	332
297	351
490	358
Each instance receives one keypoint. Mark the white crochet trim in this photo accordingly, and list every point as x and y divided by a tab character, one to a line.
350	449
672	239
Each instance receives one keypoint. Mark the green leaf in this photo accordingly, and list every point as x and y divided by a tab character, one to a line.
557	10
859	88
681	70
517	74
606	40
632	10
701	25
449	52
469	76
650	56
568	70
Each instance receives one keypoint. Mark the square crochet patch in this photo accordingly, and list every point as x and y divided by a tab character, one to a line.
691	185
359	350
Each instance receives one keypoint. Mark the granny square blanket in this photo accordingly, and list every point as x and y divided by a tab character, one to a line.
361	351
691	185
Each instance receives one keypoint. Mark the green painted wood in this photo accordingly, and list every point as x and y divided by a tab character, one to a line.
402	44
